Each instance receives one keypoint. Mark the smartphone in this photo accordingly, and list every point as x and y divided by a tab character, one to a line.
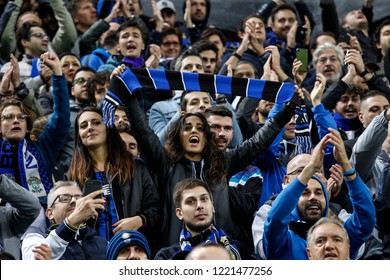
92	186
302	56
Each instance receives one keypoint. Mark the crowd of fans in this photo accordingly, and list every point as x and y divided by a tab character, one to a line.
128	136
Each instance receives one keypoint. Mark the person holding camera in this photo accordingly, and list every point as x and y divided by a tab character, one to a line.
69	237
286	32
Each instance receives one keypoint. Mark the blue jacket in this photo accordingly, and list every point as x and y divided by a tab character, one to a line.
51	141
97	58
281	243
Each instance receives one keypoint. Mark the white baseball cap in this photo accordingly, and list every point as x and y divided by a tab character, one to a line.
166	4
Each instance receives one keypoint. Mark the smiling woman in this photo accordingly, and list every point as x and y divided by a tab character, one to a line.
132	201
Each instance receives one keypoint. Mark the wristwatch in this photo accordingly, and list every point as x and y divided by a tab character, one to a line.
365	72
20	87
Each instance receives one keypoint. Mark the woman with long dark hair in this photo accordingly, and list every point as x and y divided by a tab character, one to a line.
132	201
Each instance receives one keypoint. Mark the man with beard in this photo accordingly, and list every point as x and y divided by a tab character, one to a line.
304	201
196	14
343	96
248	180
194	206
80	95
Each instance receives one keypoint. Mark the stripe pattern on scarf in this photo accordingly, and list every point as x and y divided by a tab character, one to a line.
213	235
152	79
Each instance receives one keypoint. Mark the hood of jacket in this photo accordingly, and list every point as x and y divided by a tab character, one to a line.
295	217
203	23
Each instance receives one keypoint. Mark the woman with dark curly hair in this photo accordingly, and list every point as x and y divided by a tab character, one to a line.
190	152
100	155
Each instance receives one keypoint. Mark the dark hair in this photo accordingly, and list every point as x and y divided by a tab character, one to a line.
245	19
14	102
251	65
100	78
371	93
136	23
354	89
24	33
185	54
187	184
215	165
85	69
218	110
172	31
184	101
325	33
205	45
281	8
69	53
210	31
110	40
119	160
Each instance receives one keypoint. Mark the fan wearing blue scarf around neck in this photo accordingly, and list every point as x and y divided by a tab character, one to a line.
194	207
29	163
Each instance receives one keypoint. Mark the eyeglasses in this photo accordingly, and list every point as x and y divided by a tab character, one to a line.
11	117
40	36
66	198
8	94
80	81
167	44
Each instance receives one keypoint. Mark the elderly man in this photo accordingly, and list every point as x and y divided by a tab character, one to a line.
327	239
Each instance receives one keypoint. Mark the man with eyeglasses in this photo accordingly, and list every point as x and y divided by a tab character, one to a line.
32	42
171	46
69	237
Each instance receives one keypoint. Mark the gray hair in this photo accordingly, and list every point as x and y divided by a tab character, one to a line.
327	46
57	185
322	221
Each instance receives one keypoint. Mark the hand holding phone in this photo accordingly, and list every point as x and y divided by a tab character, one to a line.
302	56
92	186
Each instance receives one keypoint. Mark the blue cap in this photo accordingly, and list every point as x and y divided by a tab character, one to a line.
125	239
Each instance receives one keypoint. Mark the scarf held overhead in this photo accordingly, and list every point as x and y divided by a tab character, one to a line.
136	78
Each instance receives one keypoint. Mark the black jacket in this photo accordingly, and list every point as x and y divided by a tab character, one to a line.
228	216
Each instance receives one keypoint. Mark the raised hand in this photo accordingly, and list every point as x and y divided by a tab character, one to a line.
118	71
187	14
15	71
299	76
86	208
52	61
318	90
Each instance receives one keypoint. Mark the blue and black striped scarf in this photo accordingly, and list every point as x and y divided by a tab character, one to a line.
135	78
212	235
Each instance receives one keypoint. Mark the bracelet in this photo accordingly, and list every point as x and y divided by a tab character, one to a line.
349	172
237	55
143	218
67	223
365	72
20	87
